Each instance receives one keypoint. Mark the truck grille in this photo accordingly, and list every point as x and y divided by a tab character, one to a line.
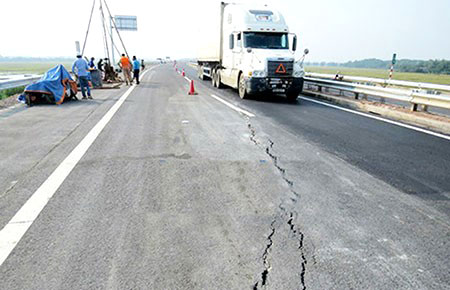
280	68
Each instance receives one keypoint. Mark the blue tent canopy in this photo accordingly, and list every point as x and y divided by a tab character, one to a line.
55	82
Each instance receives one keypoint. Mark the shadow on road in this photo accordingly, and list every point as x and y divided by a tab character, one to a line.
277	99
261	98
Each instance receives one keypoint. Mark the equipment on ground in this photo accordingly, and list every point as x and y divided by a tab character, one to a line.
253	52
55	87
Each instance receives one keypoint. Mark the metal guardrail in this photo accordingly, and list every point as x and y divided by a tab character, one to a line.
412	96
383	82
15	82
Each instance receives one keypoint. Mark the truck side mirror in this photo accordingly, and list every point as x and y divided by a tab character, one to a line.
294	43
306	51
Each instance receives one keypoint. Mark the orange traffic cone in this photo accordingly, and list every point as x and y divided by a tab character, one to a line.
192	90
183	73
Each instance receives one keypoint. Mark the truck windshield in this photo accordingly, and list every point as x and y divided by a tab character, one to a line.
266	40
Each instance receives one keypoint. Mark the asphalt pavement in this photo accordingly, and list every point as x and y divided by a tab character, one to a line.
187	192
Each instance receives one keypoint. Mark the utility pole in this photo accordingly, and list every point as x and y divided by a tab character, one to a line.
113	63
104	27
394	61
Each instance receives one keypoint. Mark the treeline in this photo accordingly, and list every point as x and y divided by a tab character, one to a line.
403	65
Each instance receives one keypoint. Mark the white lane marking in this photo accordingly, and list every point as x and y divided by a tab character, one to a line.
16	228
242	111
247	113
379	119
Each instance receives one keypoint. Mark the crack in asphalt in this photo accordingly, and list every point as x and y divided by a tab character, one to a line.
265	257
252	132
300	236
275	159
286	215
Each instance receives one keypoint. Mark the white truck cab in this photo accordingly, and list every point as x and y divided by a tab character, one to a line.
255	53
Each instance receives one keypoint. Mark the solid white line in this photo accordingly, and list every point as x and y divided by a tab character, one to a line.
247	113
379	119
16	228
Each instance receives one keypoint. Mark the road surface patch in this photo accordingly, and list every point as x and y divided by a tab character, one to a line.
379	119
16	228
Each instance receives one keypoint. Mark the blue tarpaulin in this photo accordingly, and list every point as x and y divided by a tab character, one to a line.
55	82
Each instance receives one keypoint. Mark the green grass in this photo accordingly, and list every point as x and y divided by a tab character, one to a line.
10	92
383	74
29	67
25	68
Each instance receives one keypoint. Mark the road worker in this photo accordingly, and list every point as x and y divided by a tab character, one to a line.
125	65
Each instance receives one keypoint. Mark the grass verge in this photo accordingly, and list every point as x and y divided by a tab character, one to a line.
30	67
10	92
382	74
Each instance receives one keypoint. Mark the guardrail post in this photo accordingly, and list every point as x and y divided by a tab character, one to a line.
417	99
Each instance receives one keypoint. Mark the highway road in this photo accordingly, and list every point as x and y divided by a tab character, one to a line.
150	188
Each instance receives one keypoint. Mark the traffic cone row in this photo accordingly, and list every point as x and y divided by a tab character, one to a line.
191	89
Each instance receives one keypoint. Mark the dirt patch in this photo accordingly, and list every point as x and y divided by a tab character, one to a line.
428	115
434	122
9	101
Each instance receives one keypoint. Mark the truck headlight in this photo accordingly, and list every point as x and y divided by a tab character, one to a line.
299	73
257	74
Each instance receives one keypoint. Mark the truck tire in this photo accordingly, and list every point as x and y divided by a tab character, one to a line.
200	72
292	97
219	84
242	87
213	78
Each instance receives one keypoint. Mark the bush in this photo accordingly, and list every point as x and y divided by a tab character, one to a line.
10	92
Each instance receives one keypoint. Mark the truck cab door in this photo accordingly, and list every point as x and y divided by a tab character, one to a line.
227	61
237	51
237	56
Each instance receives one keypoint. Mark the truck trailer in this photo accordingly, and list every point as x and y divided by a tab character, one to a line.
253	52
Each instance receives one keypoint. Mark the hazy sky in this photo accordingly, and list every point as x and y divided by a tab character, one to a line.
333	30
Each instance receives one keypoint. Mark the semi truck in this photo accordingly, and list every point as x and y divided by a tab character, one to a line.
253	52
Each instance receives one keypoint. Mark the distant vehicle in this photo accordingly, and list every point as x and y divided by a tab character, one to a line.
252	53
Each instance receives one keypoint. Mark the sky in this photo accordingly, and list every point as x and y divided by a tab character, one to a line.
333	31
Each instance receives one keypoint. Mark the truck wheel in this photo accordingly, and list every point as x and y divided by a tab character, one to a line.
213	78
292	97
200	73
219	84
242	88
